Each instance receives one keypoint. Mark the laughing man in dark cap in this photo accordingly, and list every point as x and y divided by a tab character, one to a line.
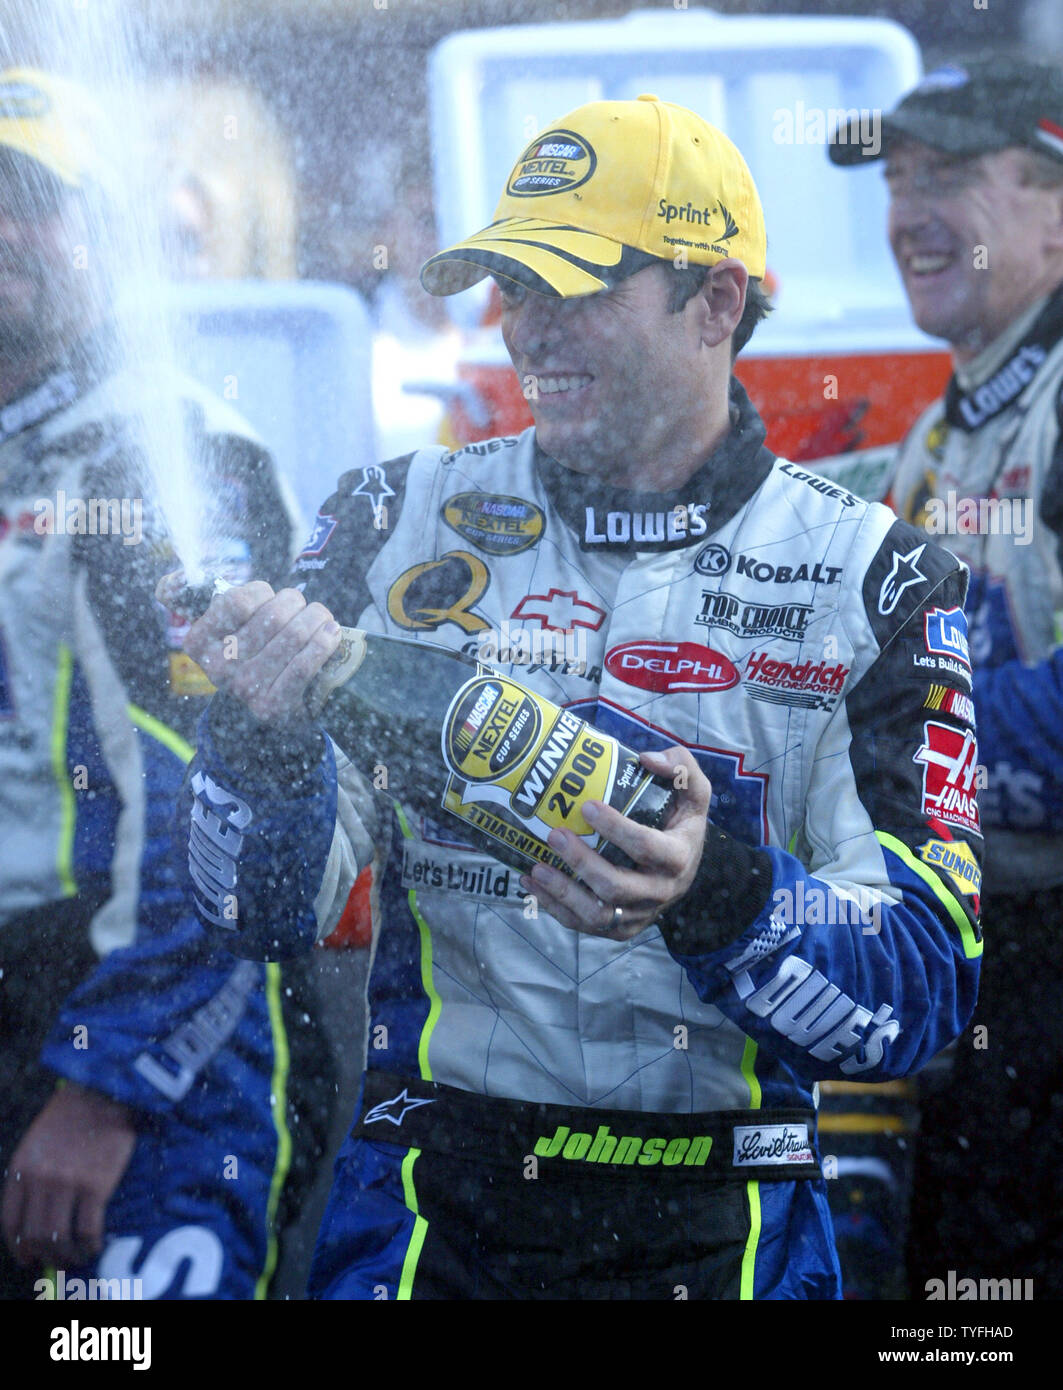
974	165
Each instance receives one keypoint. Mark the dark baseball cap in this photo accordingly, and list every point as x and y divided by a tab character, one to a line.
966	108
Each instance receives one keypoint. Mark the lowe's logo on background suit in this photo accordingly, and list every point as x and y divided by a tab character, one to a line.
946	634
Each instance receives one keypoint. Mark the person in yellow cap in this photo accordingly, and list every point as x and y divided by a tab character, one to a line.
591	1080
172	1055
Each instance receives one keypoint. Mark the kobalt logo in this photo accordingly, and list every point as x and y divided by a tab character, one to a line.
713	559
666	667
753	619
765	573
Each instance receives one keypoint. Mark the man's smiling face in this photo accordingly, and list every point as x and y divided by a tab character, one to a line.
611	378
975	243
43	293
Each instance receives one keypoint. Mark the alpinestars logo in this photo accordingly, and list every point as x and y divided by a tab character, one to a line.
949	758
396	1109
903	574
375	486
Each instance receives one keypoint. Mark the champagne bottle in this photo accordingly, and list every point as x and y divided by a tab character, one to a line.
449	732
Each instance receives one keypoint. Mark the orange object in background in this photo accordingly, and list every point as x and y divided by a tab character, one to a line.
813	407
817	406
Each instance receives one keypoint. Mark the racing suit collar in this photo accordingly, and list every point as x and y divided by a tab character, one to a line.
64	380
612	518
998	377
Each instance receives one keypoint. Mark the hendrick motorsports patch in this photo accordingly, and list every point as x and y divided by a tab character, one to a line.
494	523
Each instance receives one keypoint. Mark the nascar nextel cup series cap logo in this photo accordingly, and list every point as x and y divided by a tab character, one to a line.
554	162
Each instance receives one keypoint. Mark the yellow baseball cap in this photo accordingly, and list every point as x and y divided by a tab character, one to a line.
55	122
611	185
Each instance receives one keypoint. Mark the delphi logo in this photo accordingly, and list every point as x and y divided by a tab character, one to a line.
553	163
668	667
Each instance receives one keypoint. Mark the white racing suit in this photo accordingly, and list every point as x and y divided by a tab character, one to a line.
810	651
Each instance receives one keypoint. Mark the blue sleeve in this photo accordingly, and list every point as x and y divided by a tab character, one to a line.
860	959
1020	738
154	1014
257	817
166	1000
1020	707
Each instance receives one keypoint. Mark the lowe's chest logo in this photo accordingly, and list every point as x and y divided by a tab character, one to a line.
645	529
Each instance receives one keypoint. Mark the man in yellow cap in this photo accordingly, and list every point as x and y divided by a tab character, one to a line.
172	1065
597	1081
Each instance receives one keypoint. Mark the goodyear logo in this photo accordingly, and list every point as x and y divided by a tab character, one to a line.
495	523
954	857
553	163
491	728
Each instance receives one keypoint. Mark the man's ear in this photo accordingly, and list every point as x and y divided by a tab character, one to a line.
721	300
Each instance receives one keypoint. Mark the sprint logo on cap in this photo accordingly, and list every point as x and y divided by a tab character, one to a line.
553	163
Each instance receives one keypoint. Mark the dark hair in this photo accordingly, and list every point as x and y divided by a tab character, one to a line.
688	281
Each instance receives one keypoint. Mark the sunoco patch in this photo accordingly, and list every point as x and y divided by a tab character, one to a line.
496	524
955	858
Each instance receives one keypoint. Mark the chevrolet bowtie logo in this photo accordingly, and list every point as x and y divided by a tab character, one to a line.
394	1109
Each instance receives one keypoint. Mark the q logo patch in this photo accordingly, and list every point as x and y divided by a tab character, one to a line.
435	592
